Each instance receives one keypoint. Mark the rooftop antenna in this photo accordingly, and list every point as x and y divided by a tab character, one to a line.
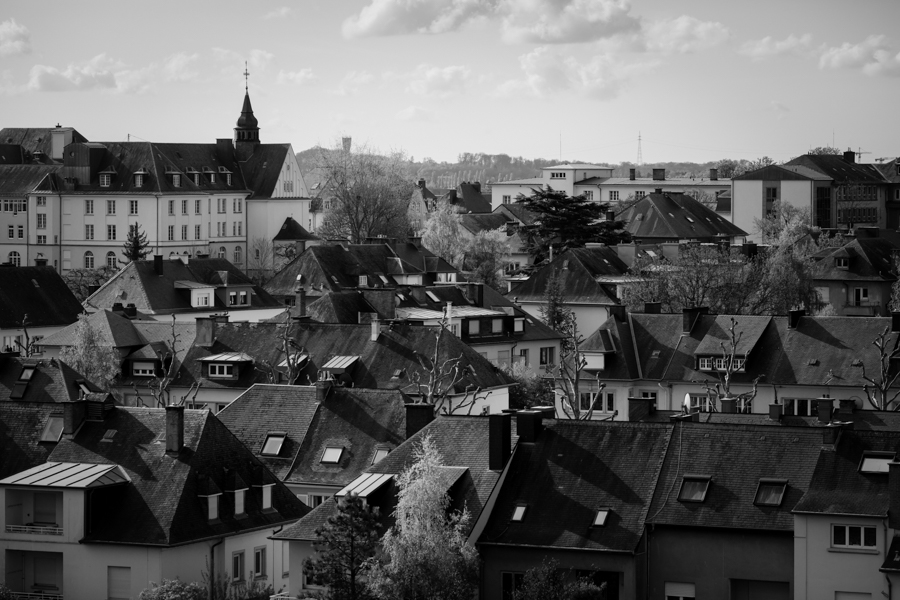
640	158
246	75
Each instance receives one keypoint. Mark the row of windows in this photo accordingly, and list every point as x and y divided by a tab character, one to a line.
259	564
599	402
868	214
237	206
111	232
707	363
139	178
15	206
111	260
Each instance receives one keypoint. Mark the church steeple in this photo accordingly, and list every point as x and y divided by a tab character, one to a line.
246	134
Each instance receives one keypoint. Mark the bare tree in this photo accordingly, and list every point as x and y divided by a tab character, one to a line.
159	386
260	260
721	390
90	356
878	386
289	359
30	346
442	233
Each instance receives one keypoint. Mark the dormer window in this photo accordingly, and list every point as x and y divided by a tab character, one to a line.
600	517
273	443
332	454
239	502
228	178
770	492
212	507
143	369
363	280
380	453
519	325
842	262
496	325
876	462
52	429
105	179
221	370
694	488
267	497
138	180
176	180
519	513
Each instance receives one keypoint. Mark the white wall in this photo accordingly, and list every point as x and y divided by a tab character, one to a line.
747	205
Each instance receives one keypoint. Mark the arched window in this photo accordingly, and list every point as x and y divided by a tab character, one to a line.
15	259
111	260
238	258
88	260
222	252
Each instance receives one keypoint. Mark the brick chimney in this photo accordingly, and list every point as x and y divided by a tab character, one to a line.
619	311
850	157
74	414
632	173
659	174
174	429
300	301
713	174
652	308
794	317
206	332
418	416
729	405
775	412
499	440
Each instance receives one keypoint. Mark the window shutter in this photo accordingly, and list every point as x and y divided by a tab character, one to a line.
118	582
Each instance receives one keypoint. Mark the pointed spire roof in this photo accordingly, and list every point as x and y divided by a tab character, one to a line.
247	120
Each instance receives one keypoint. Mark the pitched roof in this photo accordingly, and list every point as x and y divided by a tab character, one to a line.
21	426
19	180
572	470
839	169
262	169
782	173
161	505
38	292
53	381
111	328
674	216
736	457
34	139
871	259
579	269
291	230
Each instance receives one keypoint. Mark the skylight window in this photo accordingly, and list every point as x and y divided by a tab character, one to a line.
273	443
52	429
770	492
432	296
332	454
109	435
26	374
380	453
876	462
519	513
694	488
600	517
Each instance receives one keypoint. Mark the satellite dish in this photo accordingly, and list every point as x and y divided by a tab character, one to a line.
687	402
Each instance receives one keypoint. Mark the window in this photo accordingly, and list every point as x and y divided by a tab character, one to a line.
118	583
110	207
600	517
88	260
519	325
314	500
770	492
184	232
221	370
110	232
693	488
88	232
52	430
273	443
232	298
519	513
379	454
228	178
240	227
614	196
701	403
239	502
132	207
557	175
474	327
548	356
196	232
171	207
853	536
237	566
105	179
288	186
196	178
21	232
197	207
496	325
332	454
42	239
111	260
510	583
170	232
138	180
88	207
12	232
640	194
589	195
876	462
364	280
507	199
212	177
587	400
176	180
860	296
238	205
259	562
143	369
41	221
679	591
705	364
802	407
222	251
184	207
234	228
220	204
242	296
42	200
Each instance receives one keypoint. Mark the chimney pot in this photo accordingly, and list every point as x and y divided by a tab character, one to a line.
729	405
174	429
632	174
825	408
499	440
418	416
713	174
794	317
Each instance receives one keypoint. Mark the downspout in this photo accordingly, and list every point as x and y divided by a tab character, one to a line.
281	571
890	593
212	549
157	223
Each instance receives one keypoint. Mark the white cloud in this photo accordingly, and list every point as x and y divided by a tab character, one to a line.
549	70
352	82
415	113
278	13
769	47
684	34
15	39
428	80
97	73
873	55
295	77
179	67
396	17
566	21
257	59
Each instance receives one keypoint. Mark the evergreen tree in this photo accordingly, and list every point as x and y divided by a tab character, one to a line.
565	222
136	246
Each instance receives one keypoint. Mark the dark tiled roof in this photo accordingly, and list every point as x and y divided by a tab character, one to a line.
34	139
53	381
519	212
748	330
38	292
161	505
772	173
21	426
263	409
838	488
573	469
736	457
340	307
113	330
291	230
871	259
671	216
839	169
579	268
262	169
18	180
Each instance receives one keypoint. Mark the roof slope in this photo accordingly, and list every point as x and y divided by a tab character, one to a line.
38	292
161	505
112	329
262	169
579	269
673	216
871	259
53	381
21	426
839	169
736	457
574	469
291	230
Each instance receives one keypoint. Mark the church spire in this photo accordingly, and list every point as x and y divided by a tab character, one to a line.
246	134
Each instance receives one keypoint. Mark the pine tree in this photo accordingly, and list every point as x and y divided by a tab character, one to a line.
136	246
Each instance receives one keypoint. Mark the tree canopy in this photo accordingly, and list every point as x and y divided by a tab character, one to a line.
136	246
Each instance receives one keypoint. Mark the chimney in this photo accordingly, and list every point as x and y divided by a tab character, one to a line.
831	433
225	150
894	491
421	183
850	157
619	311
639	408
825	407
626	253
60	137
657	191
475	293
659	174
131	310
632	174
713	174
690	316
499	441
158	264
652	308
418	416
895	322
846	407
323	386
548	412
528	425
775	411
117	307
794	317
174	429
610	216
300	301
375	331
729	405
92	289
74	414
206	332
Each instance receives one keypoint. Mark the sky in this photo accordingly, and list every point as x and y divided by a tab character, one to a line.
698	80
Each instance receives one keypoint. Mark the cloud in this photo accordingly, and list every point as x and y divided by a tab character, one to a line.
257	59
769	47
549	70
352	82
567	21
178	67
397	17
278	13
873	56
295	77
15	39
415	113
427	80
97	73
683	34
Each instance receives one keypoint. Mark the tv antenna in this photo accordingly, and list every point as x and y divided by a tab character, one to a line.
640	157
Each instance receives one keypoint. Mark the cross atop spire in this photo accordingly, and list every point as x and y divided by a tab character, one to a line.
246	75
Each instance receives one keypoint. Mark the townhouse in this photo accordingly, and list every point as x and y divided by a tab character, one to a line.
856	278
663	216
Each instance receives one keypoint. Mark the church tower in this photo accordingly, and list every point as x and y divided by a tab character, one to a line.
246	134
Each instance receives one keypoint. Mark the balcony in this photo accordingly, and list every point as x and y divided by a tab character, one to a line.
36	596
35	529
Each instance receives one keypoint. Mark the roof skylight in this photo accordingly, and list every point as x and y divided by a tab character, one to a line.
332	454
600	517
519	513
876	462
694	488
770	492
273	443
